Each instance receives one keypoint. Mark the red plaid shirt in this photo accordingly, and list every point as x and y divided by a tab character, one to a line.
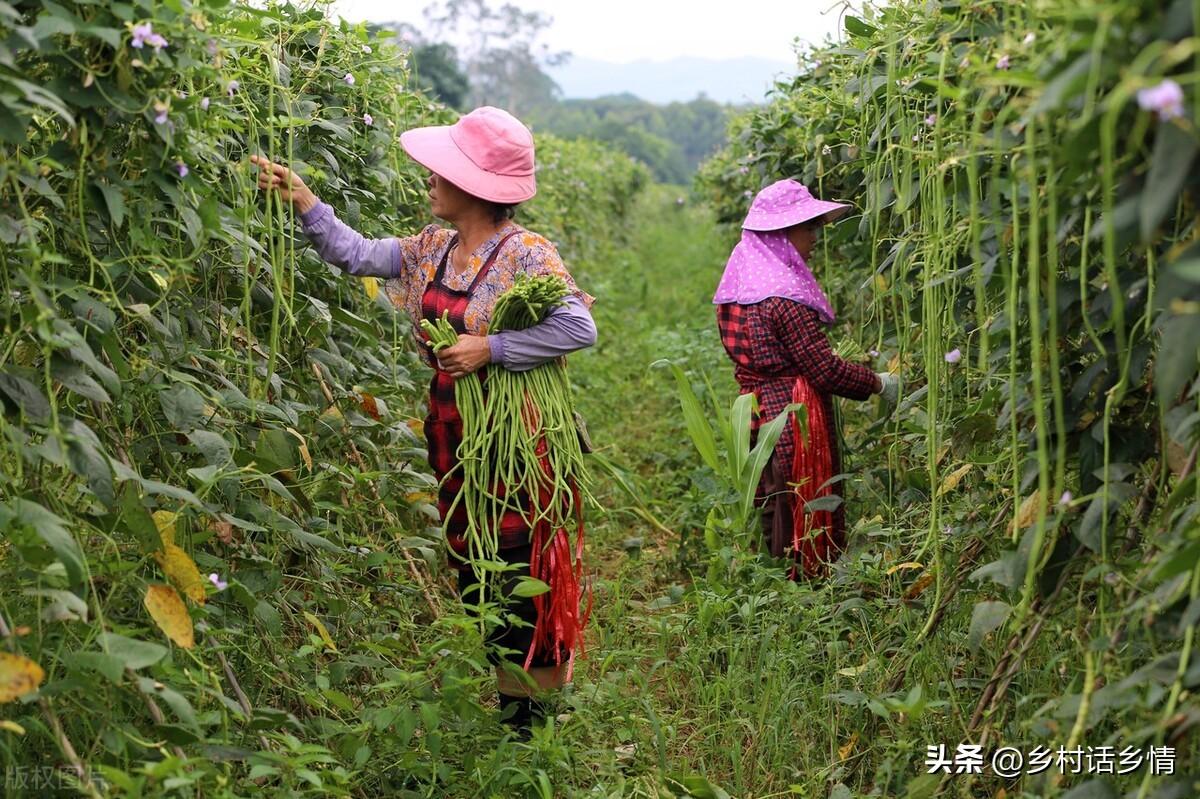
774	341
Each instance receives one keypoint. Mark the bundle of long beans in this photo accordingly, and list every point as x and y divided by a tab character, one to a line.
521	452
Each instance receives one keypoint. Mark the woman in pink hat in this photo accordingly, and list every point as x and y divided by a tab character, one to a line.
480	167
771	314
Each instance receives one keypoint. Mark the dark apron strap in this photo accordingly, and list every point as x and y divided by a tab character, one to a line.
491	259
483	270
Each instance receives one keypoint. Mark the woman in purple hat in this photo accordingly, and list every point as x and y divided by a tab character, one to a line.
480	167
771	314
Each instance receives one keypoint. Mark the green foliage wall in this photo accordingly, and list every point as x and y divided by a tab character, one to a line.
1024	254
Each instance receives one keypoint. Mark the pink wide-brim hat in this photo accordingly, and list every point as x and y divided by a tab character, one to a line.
788	202
487	153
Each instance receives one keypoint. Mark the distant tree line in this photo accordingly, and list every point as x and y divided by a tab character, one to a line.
469	53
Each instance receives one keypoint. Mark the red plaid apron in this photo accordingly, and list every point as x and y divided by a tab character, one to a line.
819	537
443	425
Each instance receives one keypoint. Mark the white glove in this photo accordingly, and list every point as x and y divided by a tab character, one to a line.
891	387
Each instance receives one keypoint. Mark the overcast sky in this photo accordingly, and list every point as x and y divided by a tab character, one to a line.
628	30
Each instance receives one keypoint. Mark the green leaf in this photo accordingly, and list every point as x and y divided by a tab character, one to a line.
212	446
138	521
183	406
87	458
1170	165
63	605
740	422
51	529
28	398
275	450
856	27
1188	269
768	436
172	698
132	653
696	786
923	787
1063	86
697	424
1178	355
114	200
78	381
986	617
530	587
107	665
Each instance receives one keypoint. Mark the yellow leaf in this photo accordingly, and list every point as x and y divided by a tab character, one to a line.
182	572
164	520
894	364
307	458
846	750
419	497
951	481
372	287
908	564
315	622
417	426
1027	513
170	614
881	282
854	671
942	453
18	676
12	727
918	588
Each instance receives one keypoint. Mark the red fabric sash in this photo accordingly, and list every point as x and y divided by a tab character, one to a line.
813	537
560	621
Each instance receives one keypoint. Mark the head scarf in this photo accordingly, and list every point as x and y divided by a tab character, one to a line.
765	264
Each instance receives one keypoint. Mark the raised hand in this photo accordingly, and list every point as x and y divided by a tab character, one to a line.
281	179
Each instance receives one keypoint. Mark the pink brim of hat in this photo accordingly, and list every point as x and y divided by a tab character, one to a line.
433	149
801	212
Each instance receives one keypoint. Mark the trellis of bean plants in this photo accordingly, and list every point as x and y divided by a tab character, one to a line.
1025	257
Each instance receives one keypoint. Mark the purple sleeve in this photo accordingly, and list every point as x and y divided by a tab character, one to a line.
344	247
567	328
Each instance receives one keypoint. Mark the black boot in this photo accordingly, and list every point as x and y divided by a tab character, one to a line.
521	713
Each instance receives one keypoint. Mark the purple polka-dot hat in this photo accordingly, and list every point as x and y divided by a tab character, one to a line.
788	202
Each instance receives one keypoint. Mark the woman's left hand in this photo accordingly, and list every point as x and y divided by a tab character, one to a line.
470	354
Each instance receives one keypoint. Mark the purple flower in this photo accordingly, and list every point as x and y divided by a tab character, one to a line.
874	353
366	48
1165	99
916	137
1002	62
745	170
216	580
954	355
368	120
232	87
1066	498
204	104
211	46
349	79
181	168
157	41
141	33
931	120
161	118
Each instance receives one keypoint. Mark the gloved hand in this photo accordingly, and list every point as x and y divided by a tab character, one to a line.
891	387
